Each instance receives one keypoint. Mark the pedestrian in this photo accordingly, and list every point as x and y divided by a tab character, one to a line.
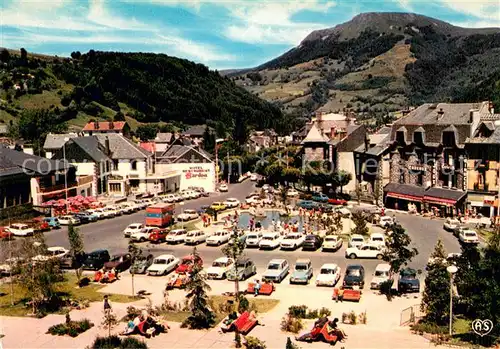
256	288
107	306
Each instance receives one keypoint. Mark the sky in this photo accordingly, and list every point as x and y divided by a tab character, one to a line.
222	34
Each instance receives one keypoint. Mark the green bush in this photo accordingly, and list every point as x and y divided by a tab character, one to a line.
243	305
115	342
427	327
71	328
302	312
132	343
292	324
254	343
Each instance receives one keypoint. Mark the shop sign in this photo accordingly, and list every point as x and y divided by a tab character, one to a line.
196	172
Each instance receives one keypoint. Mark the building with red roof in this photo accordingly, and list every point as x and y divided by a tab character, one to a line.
106	127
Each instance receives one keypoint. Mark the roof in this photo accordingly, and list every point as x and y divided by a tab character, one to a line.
149	146
428	113
329	266
443	193
122	147
196	131
92	147
57	140
493	138
30	164
103	126
302	260
7	167
383	267
176	153
405	189
164	137
314	135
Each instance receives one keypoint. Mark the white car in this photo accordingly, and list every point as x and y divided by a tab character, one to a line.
142	235
270	241
232	203
57	252
162	265
127	208
219	268
253	239
253	200
382	274
67	220
109	212
253	177
276	271
195	237
329	275
20	229
468	236
223	188
451	224
132	228
98	212
117	208
377	239
292	241
292	193
332	243
385	221
141	204
219	238
356	240
185	195
176	236
187	215
169	198
364	251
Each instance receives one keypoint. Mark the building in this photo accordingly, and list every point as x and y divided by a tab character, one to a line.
55	141
195	166
14	183
261	139
163	140
196	133
106	127
90	158
428	158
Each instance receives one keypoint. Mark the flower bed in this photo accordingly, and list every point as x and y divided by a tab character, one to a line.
70	328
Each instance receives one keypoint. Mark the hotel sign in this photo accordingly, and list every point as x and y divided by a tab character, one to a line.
416	167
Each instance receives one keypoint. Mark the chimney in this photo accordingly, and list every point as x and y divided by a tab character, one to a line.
490	107
96	125
111	125
332	132
471	116
367	142
440	113
106	144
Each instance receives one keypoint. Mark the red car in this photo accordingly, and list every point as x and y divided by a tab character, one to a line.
5	234
39	224
337	202
158	235
187	264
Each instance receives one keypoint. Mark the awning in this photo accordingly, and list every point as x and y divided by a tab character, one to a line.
404	192
442	196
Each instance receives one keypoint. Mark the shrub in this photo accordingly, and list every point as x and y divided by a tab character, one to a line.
427	327
292	324
84	282
132	343
290	344
353	318
254	343
132	313
324	312
243	305
115	342
362	318
386	289
298	311
69	327
302	312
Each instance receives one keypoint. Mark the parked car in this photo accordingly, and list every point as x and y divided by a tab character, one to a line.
232	203
120	262
53	222
71	261
253	199
141	264
200	190
188	215
354	276
53	252
270	241
5	234
133	228
143	234
458	230
218	238
307	204
253	177
67	220
408	281
85	217
110	212
246	268
292	193
95	260
381	274
312	242
195	237
162	265
253	239
292	241
187	263
468	236
329	275
377	239
158	235
98	212
219	268
218	206
332	243
302	272
451	224
364	251
276	271
320	197
223	187
176	236
11	266
337	202
20	229
356	240
39	225
385	221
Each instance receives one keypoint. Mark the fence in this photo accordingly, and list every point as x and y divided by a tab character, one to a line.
410	315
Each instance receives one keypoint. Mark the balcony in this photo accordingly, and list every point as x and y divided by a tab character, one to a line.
85	180
57	187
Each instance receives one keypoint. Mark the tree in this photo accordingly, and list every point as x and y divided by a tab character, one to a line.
146	132
120	117
436	297
397	252
359	221
343	178
109	320
76	55
76	249
208	140
4	55
135	252
35	124
235	250
201	314
24	54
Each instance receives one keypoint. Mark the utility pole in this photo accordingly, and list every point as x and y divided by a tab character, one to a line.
228	167
65	175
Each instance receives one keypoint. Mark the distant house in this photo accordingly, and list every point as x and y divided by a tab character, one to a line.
106	127
195	133
261	139
55	141
163	140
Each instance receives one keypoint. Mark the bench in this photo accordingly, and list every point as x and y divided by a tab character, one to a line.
265	289
349	295
244	323
329	338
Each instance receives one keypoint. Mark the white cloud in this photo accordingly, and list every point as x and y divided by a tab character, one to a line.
253	34
484	9
194	50
478	24
406	5
99	14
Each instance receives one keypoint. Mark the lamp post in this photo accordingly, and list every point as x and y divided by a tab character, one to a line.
217	141
451	270
497	124
65	174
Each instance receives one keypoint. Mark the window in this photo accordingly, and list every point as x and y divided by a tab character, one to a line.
115	165
133	165
449	139
418	137
401	177
400	137
420	178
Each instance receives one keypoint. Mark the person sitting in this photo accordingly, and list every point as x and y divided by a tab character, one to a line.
256	288
334	329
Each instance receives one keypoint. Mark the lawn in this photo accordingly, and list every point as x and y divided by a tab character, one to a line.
260	305
67	287
40	101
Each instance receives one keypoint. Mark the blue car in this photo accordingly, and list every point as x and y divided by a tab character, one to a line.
53	222
307	204
320	197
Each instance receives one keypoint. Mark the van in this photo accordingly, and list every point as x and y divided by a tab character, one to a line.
381	274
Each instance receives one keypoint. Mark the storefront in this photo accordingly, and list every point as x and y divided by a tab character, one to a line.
400	196
481	204
445	202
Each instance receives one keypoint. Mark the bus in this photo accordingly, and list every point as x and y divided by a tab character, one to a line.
160	215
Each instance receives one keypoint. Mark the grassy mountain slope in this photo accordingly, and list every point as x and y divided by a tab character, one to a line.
378	62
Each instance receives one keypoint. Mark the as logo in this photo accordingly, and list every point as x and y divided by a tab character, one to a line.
482	327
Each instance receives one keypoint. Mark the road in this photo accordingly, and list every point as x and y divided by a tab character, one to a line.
108	234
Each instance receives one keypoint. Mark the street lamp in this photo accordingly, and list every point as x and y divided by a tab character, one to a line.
65	174
451	270
217	141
